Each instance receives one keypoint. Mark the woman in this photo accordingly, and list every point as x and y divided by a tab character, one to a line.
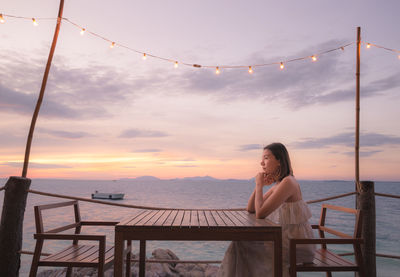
283	204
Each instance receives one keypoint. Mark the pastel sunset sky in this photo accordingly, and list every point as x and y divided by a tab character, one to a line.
109	114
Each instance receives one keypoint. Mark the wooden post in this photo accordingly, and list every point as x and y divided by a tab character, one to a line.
357	134
12	217
42	89
366	203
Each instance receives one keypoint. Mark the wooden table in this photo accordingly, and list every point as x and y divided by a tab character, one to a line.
195	225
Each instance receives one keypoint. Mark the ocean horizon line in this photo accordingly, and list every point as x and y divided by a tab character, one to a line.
193	178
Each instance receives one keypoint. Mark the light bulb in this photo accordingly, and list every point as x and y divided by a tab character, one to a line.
314	58
2	18
176	65
217	71
144	56
35	23
368	45
112	44
250	70
83	31
282	66
398	57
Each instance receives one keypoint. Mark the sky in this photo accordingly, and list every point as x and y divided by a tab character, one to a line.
109	114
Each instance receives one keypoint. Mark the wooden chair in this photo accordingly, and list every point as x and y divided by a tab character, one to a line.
325	260
76	255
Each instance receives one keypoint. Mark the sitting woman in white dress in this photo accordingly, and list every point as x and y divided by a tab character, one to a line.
284	205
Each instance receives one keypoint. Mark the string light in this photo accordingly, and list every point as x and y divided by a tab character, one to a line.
217	71
250	69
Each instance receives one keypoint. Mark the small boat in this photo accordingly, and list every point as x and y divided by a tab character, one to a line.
104	195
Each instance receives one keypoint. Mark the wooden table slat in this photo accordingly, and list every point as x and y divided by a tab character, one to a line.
137	218
226	219
233	217
178	219
257	222
210	219
163	217
154	218
147	217
202	219
194	219
187	218
127	220
218	219
171	217
245	219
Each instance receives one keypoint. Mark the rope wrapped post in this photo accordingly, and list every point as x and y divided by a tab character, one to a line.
366	203
12	217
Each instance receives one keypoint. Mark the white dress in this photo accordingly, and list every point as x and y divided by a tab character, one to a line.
256	258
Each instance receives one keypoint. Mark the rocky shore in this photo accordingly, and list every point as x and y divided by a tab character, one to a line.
152	269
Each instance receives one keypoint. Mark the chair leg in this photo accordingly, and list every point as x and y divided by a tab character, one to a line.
128	258
69	271
328	274
100	271
36	258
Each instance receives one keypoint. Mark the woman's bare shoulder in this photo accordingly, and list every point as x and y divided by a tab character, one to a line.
289	180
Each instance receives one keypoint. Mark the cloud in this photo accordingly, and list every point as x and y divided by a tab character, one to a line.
64	134
35	165
137	133
363	153
74	92
347	139
249	147
149	150
70	92
22	103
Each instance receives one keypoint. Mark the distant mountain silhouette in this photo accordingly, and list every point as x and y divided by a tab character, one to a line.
200	178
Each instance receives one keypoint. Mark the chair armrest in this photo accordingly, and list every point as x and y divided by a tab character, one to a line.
52	236
315	226
99	223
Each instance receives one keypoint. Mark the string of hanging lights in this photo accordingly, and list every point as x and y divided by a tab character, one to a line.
250	68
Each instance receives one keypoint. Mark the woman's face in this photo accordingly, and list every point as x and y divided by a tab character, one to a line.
268	162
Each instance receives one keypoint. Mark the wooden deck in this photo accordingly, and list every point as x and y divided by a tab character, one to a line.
196	225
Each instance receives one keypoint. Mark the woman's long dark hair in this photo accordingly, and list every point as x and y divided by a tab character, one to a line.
281	154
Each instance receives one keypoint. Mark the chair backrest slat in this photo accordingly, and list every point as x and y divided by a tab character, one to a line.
39	217
63	228
334	232
357	225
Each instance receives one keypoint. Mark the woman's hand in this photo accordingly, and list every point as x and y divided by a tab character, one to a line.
264	179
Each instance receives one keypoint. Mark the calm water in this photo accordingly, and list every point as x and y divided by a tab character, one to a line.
204	193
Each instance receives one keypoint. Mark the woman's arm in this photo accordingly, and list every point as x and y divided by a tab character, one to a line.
278	196
251	204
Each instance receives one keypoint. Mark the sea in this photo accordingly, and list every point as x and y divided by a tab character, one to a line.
203	192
